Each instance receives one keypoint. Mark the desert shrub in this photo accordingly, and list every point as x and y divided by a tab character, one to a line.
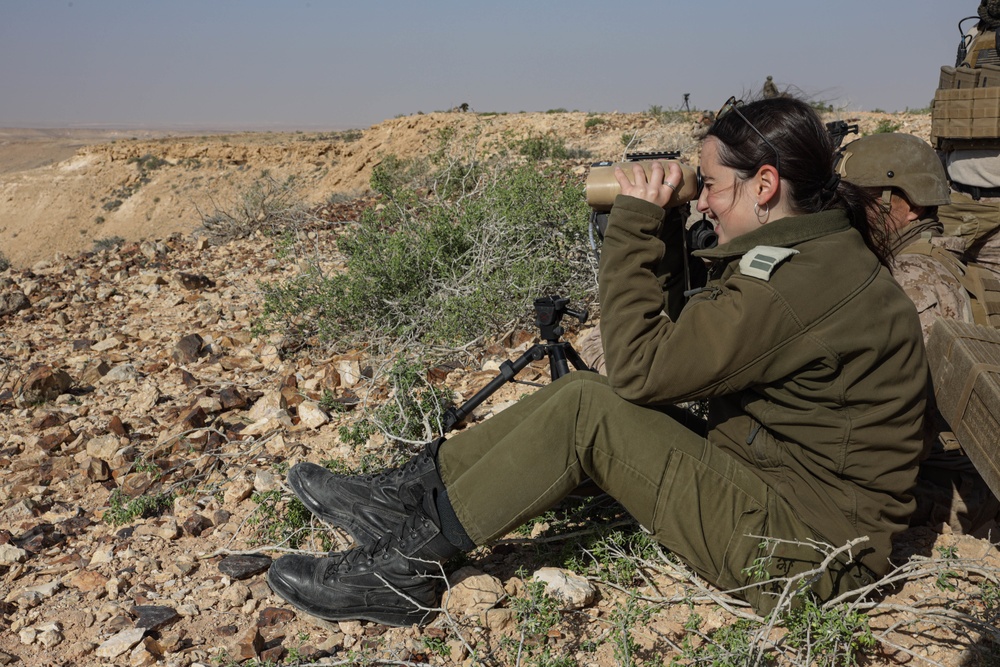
122	509
265	203
108	243
542	147
448	265
413	413
886	126
4	262
593	121
392	175
663	115
147	162
282	520
536	613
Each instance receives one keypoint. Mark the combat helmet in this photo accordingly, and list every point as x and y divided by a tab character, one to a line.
896	160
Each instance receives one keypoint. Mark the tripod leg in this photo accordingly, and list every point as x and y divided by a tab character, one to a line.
575	359
507	372
557	360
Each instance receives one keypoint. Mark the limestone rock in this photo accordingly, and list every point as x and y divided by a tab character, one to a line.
311	415
472	592
120	643
573	590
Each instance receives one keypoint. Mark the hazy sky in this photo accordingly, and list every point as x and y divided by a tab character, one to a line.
333	65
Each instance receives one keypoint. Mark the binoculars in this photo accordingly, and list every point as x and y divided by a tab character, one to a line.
602	187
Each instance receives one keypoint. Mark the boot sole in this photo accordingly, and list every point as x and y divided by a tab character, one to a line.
375	614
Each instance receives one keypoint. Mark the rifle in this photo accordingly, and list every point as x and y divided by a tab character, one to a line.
839	129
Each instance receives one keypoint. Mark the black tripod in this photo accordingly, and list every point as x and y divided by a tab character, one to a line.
549	312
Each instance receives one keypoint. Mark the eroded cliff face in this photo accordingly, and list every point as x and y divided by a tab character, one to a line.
149	188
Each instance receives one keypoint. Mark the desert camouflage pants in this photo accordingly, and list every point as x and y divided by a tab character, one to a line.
697	500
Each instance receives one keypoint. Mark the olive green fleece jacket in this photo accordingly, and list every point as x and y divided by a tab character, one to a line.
816	377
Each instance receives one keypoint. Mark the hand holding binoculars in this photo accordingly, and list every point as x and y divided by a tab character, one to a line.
602	187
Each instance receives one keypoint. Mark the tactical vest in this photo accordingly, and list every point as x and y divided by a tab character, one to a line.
965	113
982	284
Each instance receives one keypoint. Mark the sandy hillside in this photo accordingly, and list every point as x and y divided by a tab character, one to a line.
62	190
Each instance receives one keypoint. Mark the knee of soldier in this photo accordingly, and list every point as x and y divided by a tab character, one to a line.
583	382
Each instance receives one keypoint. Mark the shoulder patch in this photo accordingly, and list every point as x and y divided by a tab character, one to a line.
762	261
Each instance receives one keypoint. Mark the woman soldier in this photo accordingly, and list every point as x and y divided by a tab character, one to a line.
810	357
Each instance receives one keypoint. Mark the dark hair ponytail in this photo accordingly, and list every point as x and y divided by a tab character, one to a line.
806	155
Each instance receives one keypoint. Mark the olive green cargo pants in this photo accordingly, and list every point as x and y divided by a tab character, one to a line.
697	500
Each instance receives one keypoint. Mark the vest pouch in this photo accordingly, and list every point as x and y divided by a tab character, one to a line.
966	77
947	79
989	76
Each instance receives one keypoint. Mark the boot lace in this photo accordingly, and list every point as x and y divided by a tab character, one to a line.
387	546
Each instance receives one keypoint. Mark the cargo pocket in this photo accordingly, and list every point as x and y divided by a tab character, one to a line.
711	517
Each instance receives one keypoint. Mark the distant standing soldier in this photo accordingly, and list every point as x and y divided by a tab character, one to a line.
908	176
770	90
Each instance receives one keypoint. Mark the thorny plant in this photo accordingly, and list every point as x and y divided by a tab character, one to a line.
536	613
802	631
266	203
412	415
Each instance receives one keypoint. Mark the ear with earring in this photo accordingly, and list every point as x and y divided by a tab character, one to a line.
762	215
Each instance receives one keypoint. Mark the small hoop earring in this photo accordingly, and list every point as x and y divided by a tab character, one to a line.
762	218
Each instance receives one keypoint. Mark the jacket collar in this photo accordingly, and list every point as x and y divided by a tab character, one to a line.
914	231
782	233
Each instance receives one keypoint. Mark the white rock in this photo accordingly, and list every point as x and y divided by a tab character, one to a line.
9	554
34	595
311	415
143	400
109	343
268	404
122	373
574	591
238	491
103	446
123	641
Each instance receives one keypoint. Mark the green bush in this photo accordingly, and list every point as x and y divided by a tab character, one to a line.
542	147
886	126
122	509
147	162
460	261
282	520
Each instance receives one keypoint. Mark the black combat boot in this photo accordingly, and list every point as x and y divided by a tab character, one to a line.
368	507
392	580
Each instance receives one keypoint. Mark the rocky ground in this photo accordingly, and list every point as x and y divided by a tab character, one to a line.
146	430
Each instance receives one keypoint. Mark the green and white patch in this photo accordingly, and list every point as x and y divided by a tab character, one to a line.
762	261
